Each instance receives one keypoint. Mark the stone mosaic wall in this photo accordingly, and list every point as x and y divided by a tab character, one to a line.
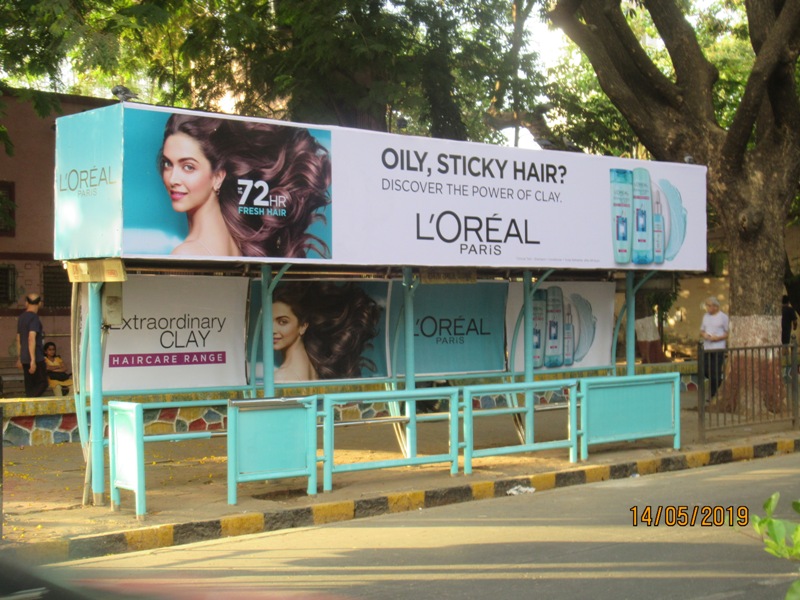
33	422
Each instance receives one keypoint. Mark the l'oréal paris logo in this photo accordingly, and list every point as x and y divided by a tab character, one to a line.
86	182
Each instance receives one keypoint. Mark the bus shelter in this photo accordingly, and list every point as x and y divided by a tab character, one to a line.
197	239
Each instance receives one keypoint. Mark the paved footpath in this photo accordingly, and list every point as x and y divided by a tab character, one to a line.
45	521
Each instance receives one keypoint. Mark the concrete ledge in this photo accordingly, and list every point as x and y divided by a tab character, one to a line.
32	407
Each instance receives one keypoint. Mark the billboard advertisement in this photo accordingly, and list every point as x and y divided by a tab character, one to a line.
177	332
454	331
573	325
183	332
88	185
324	330
183	185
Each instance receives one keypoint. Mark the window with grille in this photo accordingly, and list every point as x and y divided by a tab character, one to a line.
8	285
7	209
56	288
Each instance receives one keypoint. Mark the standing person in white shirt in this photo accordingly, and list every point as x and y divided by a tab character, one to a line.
714	331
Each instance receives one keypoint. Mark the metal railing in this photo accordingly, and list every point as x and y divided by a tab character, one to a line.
746	386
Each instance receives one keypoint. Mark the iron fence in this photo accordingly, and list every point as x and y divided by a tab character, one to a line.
746	386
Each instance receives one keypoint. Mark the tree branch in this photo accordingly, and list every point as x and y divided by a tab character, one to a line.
771	55
695	76
621	66
522	11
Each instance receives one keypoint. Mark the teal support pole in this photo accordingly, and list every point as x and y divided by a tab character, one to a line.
409	287
268	358
528	341
96	394
630	301
268	283
630	324
527	334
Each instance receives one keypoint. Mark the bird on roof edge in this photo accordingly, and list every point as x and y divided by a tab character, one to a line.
123	93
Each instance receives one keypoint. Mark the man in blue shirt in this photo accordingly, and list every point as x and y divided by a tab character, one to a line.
30	353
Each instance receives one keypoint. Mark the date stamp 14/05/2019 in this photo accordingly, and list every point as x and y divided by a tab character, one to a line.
671	515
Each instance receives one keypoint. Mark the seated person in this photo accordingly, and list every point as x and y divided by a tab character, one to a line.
60	379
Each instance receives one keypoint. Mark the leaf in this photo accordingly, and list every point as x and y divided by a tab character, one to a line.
776	530
793	593
771	504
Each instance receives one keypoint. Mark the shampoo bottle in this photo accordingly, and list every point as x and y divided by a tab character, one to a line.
658	229
621	214
569	337
643	214
554	345
539	312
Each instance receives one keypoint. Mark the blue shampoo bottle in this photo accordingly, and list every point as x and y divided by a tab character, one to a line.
554	345
621	214
539	314
658	229
643	215
569	337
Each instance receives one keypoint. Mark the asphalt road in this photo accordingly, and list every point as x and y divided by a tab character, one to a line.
563	543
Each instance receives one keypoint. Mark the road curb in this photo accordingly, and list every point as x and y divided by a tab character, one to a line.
164	536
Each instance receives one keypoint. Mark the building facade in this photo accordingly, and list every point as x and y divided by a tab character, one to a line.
26	228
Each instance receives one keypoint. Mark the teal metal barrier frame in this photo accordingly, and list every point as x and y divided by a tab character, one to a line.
411	420
526	412
126	439
126	454
272	438
619	409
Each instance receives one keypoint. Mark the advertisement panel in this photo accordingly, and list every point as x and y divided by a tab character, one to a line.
573	325
88	184
419	201
324	330
454	331
210	187
214	187
177	332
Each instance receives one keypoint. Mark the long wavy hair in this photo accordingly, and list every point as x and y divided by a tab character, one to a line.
294	165
342	322
297	170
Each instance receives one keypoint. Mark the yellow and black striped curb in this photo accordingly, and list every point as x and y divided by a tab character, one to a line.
162	536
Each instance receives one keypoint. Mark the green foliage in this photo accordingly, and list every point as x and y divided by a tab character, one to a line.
363	63
781	537
583	113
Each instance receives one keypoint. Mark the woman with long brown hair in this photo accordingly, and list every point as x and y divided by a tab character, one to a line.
247	188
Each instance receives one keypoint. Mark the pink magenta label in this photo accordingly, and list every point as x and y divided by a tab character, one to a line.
166	359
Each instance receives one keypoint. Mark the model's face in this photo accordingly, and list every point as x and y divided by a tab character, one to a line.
187	173
286	327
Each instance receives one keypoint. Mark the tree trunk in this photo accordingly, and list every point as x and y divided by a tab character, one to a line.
753	383
753	158
754	235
